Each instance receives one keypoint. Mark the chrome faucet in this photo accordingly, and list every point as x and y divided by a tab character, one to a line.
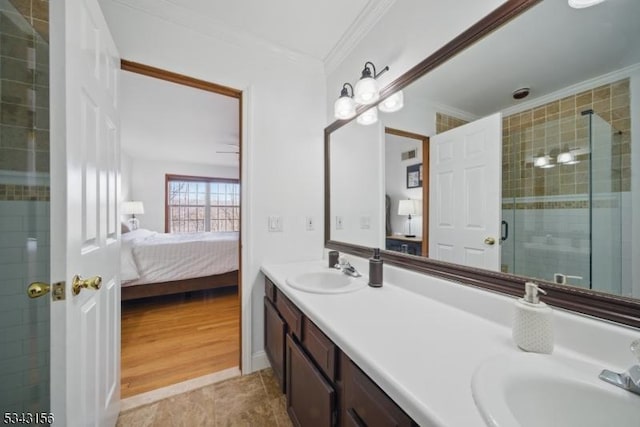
344	266
628	380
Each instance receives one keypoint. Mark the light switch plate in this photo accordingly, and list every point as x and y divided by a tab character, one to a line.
365	222
310	224
338	223
275	223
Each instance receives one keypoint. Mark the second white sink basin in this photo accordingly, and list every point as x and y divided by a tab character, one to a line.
525	389
326	282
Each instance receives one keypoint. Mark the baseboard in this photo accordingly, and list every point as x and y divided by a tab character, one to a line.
259	361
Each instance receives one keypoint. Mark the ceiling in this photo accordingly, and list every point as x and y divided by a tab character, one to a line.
550	47
161	120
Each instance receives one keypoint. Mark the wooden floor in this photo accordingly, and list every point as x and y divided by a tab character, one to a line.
174	338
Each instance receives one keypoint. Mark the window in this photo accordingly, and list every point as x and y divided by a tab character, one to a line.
201	204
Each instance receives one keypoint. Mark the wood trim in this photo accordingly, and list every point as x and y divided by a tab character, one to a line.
605	306
158	73
178	286
425	182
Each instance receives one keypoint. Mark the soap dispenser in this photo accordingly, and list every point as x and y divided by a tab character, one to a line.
533	322
375	269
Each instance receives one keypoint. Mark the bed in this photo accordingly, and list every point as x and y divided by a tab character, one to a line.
161	264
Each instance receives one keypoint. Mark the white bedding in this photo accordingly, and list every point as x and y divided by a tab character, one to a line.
150	257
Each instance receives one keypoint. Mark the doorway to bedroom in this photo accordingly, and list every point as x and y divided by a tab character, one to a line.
180	186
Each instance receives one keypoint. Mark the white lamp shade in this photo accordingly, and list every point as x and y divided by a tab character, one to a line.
393	103
369	117
410	207
344	108
132	208
366	91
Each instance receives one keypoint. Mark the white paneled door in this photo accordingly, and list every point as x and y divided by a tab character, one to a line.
85	237
465	194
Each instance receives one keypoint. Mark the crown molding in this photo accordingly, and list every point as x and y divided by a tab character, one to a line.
365	21
176	14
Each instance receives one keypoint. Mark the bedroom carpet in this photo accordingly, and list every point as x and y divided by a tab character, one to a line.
170	339
253	400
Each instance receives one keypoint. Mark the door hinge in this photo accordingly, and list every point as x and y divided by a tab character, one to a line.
57	291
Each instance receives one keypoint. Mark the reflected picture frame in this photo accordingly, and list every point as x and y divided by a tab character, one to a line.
414	176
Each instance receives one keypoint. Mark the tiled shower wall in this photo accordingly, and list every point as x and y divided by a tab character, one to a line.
24	204
559	126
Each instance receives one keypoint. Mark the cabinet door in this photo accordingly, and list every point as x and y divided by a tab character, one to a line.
310	398
274	332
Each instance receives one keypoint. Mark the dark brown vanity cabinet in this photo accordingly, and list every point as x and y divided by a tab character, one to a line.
323	386
275	330
365	404
311	399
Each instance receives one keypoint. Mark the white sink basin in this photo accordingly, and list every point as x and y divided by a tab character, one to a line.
539	390
326	282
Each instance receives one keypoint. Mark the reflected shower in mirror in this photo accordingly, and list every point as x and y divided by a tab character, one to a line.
564	208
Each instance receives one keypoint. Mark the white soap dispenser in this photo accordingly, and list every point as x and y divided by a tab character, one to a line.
533	322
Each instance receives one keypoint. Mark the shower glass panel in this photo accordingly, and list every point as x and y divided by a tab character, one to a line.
606	205
567	202
24	207
547	203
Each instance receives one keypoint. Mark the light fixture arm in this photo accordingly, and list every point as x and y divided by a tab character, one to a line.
345	90
366	72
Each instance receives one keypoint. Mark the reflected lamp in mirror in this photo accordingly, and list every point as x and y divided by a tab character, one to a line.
407	208
345	107
393	103
369	117
567	158
543	162
581	4
133	208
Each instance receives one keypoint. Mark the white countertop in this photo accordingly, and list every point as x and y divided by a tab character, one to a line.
420	351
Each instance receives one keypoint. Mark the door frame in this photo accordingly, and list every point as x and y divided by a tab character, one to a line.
158	73
425	181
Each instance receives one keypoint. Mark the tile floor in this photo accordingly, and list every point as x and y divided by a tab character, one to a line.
252	400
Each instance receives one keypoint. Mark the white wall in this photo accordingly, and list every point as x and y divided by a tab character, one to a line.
357	163
283	120
148	180
125	176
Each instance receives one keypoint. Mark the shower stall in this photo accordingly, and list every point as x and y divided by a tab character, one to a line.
566	191
24	208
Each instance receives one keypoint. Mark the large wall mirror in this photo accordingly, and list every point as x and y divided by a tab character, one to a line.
475	182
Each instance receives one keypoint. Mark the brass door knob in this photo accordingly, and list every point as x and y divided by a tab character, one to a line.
490	241
38	289
79	283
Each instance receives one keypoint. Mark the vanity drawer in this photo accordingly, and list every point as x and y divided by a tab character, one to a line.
269	290
365	404
320	347
290	314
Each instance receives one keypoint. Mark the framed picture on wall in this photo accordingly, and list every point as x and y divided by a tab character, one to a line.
414	176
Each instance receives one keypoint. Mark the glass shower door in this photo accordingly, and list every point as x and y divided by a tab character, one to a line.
24	211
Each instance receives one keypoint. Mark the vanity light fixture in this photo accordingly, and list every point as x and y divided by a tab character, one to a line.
581	4
345	107
369	117
543	162
393	103
367	91
567	158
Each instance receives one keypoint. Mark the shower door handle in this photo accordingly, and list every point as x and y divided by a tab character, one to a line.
505	228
